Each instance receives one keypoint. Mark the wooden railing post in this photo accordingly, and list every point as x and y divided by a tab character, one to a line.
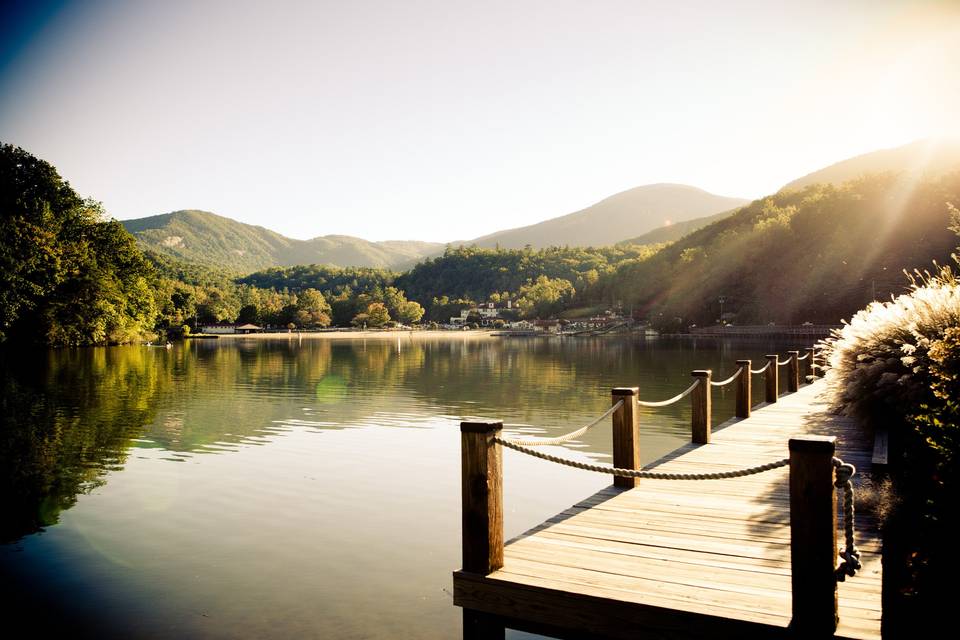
772	378
811	358
744	389
482	485
793	372
701	405
626	434
813	536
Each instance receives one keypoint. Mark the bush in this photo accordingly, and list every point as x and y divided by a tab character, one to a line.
880	364
897	364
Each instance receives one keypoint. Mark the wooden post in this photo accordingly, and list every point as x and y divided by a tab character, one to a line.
626	434
482	485
744	389
811	357
793	372
772	378
700	417
813	536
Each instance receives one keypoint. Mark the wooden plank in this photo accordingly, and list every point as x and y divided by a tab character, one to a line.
881	448
685	559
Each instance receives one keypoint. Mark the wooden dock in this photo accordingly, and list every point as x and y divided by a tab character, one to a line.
681	558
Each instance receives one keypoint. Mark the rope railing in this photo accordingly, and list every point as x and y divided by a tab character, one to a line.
762	369
569	436
728	380
844	474
676	398
785	362
639	473
804	356
850	554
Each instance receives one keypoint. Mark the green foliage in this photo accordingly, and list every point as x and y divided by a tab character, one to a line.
897	365
377	314
326	278
469	273
67	275
210	240
443	308
312	310
544	297
409	312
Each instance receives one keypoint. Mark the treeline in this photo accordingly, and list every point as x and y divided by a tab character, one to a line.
67	274
540	282
814	255
472	273
303	297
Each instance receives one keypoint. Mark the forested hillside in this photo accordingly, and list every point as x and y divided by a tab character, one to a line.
812	255
208	239
474	273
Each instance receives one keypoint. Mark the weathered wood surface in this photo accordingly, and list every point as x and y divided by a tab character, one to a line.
676	559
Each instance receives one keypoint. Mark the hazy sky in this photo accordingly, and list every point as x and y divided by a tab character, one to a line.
446	120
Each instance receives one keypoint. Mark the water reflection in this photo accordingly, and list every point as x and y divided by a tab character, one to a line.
242	488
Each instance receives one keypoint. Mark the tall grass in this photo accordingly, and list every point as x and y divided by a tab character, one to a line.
896	364
880	366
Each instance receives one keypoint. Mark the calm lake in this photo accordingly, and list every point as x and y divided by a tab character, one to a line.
284	488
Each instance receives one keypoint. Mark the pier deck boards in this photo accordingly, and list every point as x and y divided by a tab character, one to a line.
684	558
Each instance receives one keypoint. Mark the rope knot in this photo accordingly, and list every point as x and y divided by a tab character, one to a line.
850	554
845	472
850	565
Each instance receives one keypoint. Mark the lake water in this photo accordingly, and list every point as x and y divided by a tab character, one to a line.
285	488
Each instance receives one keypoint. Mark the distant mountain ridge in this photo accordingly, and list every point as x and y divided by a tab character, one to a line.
927	158
624	215
209	239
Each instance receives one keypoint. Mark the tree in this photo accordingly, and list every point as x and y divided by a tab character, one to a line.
68	276
248	314
377	315
312	309
544	297
409	312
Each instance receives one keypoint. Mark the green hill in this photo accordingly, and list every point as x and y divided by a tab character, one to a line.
816	254
624	215
208	239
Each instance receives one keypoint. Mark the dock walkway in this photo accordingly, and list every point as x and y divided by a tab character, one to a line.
685	559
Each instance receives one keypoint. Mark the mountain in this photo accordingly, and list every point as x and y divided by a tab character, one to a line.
673	232
624	215
924	157
208	239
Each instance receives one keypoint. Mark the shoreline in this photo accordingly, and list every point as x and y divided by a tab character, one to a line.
351	335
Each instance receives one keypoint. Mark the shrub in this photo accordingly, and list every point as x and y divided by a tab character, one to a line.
880	363
897	364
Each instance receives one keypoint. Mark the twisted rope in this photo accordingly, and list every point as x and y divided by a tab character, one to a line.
780	364
850	554
844	472
676	398
765	367
804	357
728	380
573	434
637	473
